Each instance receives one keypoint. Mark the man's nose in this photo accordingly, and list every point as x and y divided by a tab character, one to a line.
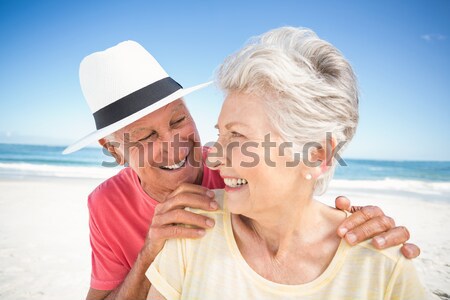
174	146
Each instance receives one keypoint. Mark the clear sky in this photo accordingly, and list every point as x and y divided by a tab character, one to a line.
400	51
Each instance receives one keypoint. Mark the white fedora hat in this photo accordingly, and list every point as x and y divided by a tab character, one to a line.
121	85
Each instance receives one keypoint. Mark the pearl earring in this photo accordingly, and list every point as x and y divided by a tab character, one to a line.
308	176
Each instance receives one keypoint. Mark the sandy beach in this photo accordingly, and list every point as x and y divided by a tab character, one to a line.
44	235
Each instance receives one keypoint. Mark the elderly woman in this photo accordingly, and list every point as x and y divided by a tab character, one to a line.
272	240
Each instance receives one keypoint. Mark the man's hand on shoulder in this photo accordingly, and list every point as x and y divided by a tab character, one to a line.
170	218
370	222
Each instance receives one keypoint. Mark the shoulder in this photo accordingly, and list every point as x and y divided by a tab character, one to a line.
111	188
370	263
391	257
215	234
214	237
364	249
401	280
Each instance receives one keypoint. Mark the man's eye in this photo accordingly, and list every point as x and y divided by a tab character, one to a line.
148	136
178	121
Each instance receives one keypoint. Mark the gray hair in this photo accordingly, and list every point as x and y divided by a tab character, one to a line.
307	87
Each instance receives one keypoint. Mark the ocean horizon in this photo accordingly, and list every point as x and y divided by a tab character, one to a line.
48	160
20	161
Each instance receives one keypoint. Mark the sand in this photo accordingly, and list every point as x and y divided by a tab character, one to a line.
44	234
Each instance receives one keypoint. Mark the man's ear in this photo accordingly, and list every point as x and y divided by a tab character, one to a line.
113	150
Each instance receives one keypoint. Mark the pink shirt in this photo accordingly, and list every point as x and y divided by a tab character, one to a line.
120	216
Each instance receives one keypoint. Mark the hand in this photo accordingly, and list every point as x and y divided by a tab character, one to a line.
170	218
370	221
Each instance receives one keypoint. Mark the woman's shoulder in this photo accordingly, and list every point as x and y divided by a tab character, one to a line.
392	254
215	238
331	217
364	249
220	217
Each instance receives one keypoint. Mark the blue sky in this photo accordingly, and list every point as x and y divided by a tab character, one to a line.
400	51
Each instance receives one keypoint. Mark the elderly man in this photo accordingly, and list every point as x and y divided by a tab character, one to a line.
143	122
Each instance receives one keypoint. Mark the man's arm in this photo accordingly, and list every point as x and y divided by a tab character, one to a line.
166	224
135	285
153	294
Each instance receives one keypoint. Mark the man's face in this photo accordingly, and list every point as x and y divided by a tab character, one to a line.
163	148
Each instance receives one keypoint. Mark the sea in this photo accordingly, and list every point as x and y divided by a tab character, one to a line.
19	161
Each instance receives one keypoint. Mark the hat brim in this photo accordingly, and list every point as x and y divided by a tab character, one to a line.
98	134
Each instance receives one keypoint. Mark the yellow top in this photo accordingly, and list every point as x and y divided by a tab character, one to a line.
213	268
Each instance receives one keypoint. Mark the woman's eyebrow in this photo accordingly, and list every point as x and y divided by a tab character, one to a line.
227	126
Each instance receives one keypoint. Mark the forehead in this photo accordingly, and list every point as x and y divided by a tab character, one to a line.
246	110
161	116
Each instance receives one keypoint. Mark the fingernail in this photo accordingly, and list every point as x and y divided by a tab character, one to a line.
380	241
408	251
210	223
343	231
351	238
210	194
201	232
213	205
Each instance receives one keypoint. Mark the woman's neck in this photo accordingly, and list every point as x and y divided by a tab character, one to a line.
283	227
290	245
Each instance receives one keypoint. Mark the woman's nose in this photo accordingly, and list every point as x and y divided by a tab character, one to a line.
215	156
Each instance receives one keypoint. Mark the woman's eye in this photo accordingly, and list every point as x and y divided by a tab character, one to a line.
236	134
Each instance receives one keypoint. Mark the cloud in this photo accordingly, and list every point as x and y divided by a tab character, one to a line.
433	37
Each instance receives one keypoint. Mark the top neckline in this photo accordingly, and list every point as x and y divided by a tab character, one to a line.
279	288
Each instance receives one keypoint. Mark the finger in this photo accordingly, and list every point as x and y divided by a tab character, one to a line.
180	232
369	229
358	218
393	237
186	200
192	189
181	216
342	203
410	251
354	208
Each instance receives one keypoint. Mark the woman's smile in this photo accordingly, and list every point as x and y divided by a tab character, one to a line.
234	183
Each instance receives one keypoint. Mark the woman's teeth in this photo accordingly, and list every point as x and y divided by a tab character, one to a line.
234	182
175	166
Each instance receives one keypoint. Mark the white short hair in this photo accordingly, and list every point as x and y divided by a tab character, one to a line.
307	86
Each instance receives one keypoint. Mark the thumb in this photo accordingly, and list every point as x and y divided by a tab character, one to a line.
343	203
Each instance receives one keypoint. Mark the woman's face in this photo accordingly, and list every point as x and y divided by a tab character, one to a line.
249	155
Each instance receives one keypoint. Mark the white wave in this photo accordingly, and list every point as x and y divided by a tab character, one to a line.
388	184
25	169
400	185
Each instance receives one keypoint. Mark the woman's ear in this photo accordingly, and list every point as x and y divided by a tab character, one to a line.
113	150
322	157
